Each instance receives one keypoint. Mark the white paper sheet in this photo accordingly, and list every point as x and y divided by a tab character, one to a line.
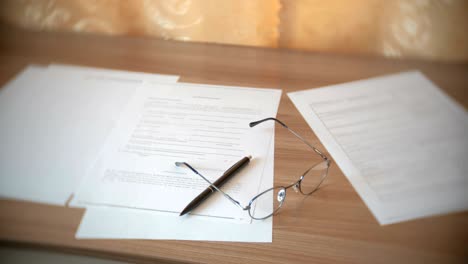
401	142
110	73
53	124
204	125
101	222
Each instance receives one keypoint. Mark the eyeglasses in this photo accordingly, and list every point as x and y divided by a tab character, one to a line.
260	206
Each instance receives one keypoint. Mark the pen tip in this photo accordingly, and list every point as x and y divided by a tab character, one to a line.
249	156
183	212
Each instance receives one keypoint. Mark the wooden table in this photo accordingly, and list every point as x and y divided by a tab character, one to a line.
332	226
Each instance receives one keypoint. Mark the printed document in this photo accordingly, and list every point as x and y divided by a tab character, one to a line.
101	222
206	126
401	142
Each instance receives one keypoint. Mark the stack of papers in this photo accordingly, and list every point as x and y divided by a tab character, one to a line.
54	120
100	222
111	139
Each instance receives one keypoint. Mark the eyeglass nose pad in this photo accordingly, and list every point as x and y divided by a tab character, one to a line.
281	195
296	187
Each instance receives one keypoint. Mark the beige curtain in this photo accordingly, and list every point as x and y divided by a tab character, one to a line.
430	29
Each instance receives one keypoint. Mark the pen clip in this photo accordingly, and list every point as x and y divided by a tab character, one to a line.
248	157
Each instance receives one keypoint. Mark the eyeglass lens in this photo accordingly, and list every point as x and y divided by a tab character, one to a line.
313	177
262	207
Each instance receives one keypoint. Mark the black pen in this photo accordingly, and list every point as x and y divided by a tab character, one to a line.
218	183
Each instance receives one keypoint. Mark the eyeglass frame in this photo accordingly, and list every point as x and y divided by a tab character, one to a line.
282	193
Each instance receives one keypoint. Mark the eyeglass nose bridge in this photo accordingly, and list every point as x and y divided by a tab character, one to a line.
296	187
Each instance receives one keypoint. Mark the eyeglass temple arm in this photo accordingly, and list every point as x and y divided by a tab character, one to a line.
252	124
180	164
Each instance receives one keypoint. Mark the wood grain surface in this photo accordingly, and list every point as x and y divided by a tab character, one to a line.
331	226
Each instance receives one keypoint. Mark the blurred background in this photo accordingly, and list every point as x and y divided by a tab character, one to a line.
424	29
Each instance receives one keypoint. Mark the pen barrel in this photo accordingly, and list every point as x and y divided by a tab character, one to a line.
233	169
